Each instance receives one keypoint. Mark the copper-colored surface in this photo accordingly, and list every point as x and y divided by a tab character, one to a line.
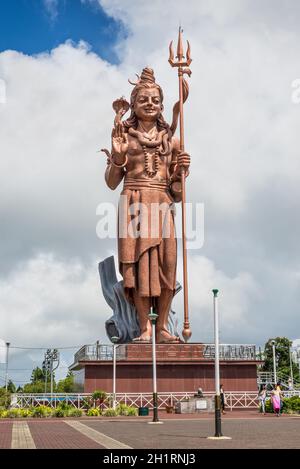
153	164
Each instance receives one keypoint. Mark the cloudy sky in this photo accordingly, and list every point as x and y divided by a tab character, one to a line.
62	63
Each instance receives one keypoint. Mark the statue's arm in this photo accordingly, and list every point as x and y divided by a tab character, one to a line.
117	159
175	169
113	175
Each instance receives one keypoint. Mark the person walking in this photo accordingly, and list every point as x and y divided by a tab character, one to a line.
222	397
276	399
262	398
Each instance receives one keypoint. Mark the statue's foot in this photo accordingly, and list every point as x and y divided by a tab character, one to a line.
145	337
164	337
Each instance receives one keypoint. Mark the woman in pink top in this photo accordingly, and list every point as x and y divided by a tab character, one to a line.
276	400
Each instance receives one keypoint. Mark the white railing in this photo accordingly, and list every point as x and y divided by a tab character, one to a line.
234	399
267	378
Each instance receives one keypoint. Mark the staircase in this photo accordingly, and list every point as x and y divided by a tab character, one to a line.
267	378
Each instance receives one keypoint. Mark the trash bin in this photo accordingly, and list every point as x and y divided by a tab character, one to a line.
143	411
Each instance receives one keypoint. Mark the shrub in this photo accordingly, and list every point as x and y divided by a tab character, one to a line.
269	408
4	398
3	414
64	406
75	412
93	412
132	411
124	409
110	412
26	413
41	411
289	405
99	396
292	403
59	412
62	410
14	413
87	403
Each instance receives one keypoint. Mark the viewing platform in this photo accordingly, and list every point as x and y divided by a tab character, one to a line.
180	367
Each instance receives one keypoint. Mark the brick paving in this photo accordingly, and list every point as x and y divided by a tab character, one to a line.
5	433
97	436
57	434
259	432
248	429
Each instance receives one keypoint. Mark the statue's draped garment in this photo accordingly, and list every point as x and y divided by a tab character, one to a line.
147	262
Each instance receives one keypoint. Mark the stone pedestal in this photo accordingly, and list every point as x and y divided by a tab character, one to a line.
195	405
180	368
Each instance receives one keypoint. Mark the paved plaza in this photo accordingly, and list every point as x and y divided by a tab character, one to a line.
247	429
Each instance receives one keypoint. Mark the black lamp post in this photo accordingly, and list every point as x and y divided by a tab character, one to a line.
114	341
218	430
153	317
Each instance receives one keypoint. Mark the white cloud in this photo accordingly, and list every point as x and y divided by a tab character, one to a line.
235	297
51	7
242	133
45	297
48	303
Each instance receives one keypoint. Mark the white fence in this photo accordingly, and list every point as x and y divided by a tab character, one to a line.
234	400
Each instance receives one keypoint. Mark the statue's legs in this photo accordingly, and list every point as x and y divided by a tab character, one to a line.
142	306
163	305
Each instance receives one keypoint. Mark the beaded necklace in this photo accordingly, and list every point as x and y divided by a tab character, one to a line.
155	162
147	142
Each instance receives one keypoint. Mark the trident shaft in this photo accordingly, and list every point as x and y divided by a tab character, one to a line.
180	63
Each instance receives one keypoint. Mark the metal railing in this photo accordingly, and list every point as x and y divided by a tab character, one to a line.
234	399
96	352
231	351
267	378
227	352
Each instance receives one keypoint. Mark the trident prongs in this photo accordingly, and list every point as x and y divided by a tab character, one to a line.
180	62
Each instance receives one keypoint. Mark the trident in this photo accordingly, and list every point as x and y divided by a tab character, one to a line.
183	92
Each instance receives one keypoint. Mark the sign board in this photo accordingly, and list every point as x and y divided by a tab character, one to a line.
201	404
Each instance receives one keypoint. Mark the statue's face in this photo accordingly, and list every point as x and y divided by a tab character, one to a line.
148	105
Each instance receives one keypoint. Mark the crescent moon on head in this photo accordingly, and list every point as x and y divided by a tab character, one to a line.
134	83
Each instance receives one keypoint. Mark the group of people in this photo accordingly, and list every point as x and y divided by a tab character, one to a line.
276	399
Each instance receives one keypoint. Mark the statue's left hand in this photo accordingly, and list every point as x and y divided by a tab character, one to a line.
183	161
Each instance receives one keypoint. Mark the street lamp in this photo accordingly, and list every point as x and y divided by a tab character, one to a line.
274	361
6	366
218	430
47	366
298	356
50	357
114	340
153	317
54	358
291	366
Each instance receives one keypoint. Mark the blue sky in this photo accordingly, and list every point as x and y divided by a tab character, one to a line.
29	27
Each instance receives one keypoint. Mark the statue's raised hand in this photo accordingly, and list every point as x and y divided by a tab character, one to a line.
119	144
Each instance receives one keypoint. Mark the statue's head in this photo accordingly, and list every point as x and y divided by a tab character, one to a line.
146	101
146	82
